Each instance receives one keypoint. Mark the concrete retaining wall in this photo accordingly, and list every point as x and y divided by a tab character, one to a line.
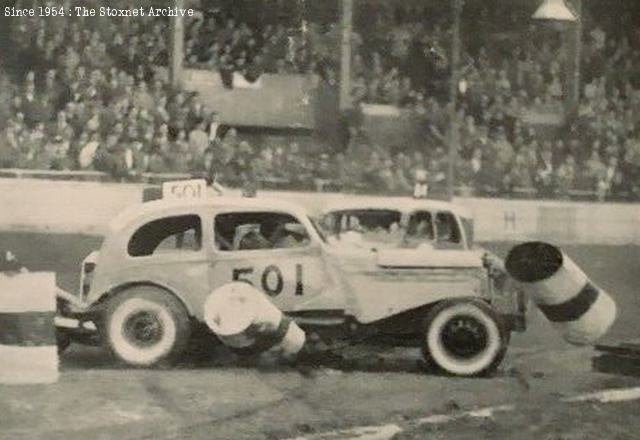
87	207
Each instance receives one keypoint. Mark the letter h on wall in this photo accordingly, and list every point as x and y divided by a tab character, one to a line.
510	220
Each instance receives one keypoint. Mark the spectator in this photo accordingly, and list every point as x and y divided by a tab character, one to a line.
34	109
182	153
629	175
89	146
196	114
97	82
594	170
401	167
504	153
215	129
198	140
565	176
230	143
387	176
9	147
609	179
520	175
298	168
263	164
545	172
179	113
372	172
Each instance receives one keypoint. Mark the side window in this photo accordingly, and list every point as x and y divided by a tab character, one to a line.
244	231
447	230
420	226
170	234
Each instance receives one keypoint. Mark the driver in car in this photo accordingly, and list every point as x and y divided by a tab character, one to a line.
249	237
418	234
290	235
446	237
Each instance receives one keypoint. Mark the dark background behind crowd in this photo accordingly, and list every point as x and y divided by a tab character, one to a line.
85	94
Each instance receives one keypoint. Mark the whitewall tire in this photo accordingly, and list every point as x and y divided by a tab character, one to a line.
464	338
145	326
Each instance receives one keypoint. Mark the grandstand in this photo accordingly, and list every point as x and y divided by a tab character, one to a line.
264	98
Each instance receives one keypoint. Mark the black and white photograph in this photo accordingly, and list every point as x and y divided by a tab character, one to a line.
319	219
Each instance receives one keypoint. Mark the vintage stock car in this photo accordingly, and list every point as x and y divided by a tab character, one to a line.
420	282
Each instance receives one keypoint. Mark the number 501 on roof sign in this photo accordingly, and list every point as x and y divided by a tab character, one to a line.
184	189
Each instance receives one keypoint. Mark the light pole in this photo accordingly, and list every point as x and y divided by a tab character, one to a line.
557	11
549	10
176	54
345	58
454	139
575	51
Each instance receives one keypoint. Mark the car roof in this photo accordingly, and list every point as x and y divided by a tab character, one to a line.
159	208
403	204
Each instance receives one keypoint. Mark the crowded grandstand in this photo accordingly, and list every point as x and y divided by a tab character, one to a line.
92	94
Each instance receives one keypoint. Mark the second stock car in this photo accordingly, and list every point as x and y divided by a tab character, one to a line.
145	289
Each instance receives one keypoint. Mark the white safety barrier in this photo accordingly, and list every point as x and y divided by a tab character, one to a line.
87	207
243	318
579	309
28	350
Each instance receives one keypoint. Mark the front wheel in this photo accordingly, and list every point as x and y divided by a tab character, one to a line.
464	338
145	326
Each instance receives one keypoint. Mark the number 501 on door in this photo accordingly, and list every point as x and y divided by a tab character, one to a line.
271	279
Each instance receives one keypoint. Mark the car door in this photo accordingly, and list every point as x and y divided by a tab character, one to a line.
274	252
431	264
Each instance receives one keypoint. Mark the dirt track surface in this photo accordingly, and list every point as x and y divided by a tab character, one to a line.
220	398
583	421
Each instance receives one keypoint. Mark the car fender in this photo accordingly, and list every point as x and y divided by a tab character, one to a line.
378	292
98	299
408	291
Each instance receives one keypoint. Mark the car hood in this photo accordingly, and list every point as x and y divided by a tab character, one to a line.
395	257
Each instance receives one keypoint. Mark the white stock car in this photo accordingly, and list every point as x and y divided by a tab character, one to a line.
160	261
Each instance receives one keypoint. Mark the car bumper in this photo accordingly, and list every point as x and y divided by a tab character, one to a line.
74	319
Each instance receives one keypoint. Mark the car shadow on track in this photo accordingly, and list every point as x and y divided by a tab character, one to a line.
616	364
204	357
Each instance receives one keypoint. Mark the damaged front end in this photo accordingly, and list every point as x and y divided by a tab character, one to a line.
75	320
505	295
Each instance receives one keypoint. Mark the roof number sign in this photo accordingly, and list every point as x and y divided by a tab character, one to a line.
184	189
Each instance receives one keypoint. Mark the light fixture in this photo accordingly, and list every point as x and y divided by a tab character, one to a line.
554	10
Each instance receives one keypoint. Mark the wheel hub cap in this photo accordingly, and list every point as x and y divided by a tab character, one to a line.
464	337
143	329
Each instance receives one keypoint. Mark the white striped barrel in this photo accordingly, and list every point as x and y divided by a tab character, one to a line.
579	309
244	318
28	351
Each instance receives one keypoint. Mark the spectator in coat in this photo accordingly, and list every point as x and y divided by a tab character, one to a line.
609	179
565	176
594	170
521	171
544	178
198	140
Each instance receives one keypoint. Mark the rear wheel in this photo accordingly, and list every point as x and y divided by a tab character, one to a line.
464	338
145	326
